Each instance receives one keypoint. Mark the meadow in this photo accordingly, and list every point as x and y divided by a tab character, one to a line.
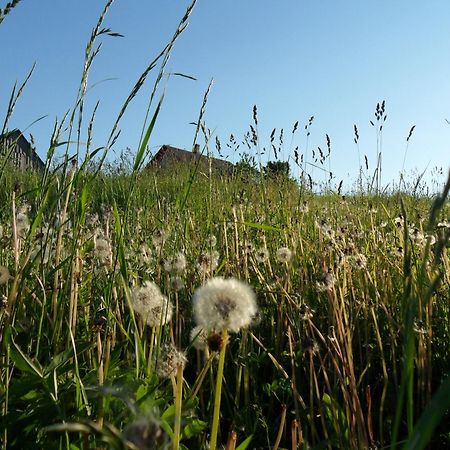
210	310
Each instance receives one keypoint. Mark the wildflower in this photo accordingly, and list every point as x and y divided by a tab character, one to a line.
4	275
224	303
169	360
199	337
262	255
284	255
326	282
383	224
145	434
154	308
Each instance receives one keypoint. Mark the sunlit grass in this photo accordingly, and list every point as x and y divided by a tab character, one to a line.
102	347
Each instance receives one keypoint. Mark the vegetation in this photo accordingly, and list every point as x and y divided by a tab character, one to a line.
330	327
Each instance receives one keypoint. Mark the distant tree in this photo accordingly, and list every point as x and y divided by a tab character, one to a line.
246	166
277	169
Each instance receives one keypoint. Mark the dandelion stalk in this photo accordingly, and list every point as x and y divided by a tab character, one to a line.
178	402
218	392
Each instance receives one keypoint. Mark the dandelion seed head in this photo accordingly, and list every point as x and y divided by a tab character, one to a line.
176	283
249	248
326	283
262	255
306	313
211	241
169	360
159	238
359	261
443	224
22	223
154	308
199	337
4	275
103	251
284	255
208	262
224	303
304	208
145	434
399	221
179	263
144	254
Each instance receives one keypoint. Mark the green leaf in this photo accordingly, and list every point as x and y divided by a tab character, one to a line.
245	444
22	361
168	413
195	427
140	153
430	418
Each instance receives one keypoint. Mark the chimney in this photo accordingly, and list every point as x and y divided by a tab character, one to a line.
196	149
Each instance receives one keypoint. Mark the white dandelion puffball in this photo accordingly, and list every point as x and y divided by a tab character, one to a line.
169	360
154	308
224	303
284	254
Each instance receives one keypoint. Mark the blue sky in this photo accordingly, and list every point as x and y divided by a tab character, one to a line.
333	60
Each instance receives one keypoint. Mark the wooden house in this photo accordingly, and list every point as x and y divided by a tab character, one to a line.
169	157
19	151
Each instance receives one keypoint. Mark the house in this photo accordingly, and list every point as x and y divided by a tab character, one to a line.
19	151
167	157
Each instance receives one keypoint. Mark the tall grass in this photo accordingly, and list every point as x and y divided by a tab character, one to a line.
349	348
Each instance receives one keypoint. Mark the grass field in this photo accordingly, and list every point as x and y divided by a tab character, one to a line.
143	311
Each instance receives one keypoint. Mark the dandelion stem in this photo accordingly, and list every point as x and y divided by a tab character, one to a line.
217	397
178	403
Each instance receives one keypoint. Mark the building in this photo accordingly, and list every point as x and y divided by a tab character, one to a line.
168	157
19	151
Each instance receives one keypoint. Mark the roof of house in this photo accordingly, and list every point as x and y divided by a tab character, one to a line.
17	137
167	156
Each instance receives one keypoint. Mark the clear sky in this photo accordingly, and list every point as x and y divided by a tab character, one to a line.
330	59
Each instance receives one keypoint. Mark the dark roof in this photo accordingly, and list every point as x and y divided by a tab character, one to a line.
167	156
17	139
